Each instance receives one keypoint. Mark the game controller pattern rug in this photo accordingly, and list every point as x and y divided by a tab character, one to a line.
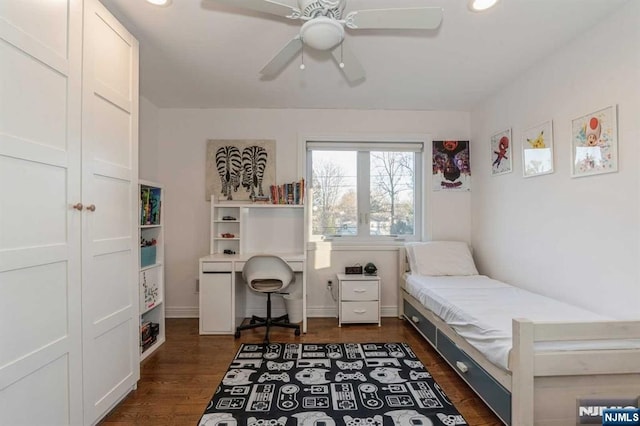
347	384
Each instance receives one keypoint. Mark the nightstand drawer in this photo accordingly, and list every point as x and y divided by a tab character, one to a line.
359	290
359	312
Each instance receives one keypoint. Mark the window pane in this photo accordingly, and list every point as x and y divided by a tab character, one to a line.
392	193
334	181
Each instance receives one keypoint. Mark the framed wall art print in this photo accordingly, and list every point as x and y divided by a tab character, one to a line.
501	150
594	143
451	166
537	150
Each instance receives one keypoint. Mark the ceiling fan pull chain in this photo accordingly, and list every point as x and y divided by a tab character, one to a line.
341	55
302	66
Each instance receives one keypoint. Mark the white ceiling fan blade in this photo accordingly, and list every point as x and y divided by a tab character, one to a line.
266	6
419	18
283	57
352	68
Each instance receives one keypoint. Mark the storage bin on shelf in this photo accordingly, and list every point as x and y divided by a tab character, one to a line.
147	256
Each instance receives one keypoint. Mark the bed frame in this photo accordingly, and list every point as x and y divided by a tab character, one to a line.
542	388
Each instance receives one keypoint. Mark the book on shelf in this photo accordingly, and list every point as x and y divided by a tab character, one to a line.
149	332
150	206
146	344
288	193
145	331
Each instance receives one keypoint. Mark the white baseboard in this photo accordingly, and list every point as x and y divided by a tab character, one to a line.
322	312
182	312
317	312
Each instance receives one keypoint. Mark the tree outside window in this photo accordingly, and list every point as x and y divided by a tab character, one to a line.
363	193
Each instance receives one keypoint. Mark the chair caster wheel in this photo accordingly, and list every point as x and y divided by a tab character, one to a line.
237	334
297	332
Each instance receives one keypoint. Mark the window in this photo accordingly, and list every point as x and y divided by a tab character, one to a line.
365	190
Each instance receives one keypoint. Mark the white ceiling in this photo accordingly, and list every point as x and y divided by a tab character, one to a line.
194	56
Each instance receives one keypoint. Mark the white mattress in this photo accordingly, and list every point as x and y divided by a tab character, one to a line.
481	310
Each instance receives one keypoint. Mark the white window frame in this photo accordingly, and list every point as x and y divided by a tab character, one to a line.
377	142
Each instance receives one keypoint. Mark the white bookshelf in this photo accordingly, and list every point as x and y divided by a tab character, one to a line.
151	274
255	227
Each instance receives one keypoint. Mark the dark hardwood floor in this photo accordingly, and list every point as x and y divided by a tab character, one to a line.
177	381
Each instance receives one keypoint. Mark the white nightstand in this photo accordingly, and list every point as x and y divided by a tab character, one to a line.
359	299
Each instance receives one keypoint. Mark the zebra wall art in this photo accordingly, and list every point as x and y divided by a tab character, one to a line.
254	161
228	162
239	170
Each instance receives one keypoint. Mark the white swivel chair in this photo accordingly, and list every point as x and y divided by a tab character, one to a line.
267	274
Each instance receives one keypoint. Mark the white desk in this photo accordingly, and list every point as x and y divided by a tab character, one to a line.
222	291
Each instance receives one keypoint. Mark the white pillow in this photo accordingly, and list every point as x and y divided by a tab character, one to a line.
435	258
410	257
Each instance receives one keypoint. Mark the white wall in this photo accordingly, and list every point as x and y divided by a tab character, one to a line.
148	145
576	239
182	136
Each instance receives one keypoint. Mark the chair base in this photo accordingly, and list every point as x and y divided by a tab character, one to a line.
255	322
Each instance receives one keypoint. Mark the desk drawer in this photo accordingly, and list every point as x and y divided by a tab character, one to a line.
359	290
425	326
297	266
497	397
359	312
216	267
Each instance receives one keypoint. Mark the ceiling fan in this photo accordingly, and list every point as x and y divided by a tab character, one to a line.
324	28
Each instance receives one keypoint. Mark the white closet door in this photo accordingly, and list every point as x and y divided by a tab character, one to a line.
40	294
109	229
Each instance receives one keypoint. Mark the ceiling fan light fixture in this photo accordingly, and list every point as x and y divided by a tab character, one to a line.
322	33
159	2
481	5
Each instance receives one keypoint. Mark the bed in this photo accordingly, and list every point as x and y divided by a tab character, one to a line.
530	358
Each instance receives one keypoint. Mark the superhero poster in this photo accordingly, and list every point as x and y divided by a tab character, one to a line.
501	153
451	166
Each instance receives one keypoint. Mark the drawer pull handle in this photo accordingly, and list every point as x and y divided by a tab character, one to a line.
359	311
359	290
462	366
415	319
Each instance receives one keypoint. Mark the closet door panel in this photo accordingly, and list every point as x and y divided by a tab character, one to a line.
114	65
40	24
111	222
110	231
47	390
44	29
37	203
112	143
109	292
44	288
112	369
40	242
38	94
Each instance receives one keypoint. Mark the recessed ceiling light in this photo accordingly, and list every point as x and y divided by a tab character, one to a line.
160	2
481	5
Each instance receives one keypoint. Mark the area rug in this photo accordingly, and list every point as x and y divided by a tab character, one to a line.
348	384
